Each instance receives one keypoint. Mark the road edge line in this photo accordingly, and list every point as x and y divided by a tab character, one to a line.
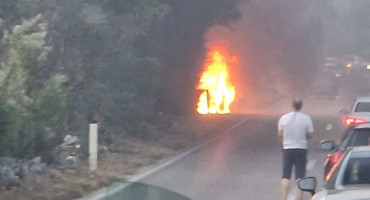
101	193
195	148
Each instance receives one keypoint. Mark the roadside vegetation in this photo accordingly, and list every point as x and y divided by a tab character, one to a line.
132	66
65	64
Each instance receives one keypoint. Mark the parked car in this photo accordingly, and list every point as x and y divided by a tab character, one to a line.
349	179
359	112
357	135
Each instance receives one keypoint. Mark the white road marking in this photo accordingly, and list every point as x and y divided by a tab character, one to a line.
292	194
182	155
165	164
310	165
102	193
329	127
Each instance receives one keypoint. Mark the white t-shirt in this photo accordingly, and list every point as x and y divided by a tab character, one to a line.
295	126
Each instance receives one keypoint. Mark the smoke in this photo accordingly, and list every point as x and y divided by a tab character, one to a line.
279	46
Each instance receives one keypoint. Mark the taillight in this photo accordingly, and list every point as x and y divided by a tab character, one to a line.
335	157
349	121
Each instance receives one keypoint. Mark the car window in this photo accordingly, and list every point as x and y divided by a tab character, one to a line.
360	137
362	107
353	106
345	141
346	134
357	171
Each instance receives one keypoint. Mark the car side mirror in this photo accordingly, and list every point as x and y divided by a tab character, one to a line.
307	184
327	145
343	111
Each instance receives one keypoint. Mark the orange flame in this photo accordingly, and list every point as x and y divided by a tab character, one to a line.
218	93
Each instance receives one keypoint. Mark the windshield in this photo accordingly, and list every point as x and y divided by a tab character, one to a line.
363	107
192	96
357	171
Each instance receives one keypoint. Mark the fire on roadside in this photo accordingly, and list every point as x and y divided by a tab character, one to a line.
217	90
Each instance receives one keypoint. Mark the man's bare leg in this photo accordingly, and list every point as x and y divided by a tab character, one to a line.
284	188
299	194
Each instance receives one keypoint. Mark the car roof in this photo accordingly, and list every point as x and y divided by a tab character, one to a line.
360	152
348	194
361	149
361	126
363	99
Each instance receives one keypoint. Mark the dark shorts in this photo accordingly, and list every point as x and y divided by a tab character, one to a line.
296	158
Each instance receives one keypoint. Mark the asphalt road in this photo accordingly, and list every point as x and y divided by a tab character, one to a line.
245	162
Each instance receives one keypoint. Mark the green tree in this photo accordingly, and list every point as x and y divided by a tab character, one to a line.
33	109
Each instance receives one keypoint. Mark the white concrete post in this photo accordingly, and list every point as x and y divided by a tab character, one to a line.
93	146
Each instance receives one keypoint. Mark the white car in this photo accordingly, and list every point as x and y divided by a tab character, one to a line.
349	179
359	112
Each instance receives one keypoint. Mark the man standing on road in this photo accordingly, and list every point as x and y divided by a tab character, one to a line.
294	129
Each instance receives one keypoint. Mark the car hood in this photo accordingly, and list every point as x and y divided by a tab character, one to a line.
359	193
140	191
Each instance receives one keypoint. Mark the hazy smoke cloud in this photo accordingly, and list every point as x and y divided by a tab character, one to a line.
279	44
